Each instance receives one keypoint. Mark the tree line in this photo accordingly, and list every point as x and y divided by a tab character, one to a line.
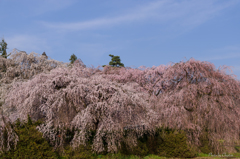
115	61
194	97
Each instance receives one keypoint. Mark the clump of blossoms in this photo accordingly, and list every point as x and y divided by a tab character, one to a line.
190	96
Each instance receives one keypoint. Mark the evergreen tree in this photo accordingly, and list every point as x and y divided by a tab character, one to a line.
44	54
116	62
73	58
3	48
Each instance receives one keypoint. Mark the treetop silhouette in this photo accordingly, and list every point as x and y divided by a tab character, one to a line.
115	61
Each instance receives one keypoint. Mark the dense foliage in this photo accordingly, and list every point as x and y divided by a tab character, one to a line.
99	104
30	144
121	105
193	97
115	61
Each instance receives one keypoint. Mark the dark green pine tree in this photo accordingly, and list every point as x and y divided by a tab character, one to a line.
3	49
116	62
44	54
73	58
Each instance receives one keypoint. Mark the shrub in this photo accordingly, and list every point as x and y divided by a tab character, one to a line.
30	144
204	147
174	144
165	142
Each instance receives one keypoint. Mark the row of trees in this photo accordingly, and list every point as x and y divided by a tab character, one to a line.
115	61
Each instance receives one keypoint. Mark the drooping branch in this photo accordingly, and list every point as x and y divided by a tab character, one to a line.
194	96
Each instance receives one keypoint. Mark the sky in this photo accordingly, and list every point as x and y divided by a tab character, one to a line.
142	32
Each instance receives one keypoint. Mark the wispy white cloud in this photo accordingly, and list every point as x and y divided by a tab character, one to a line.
138	14
184	13
100	22
200	11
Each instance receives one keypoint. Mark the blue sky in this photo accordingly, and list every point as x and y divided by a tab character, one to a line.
141	32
